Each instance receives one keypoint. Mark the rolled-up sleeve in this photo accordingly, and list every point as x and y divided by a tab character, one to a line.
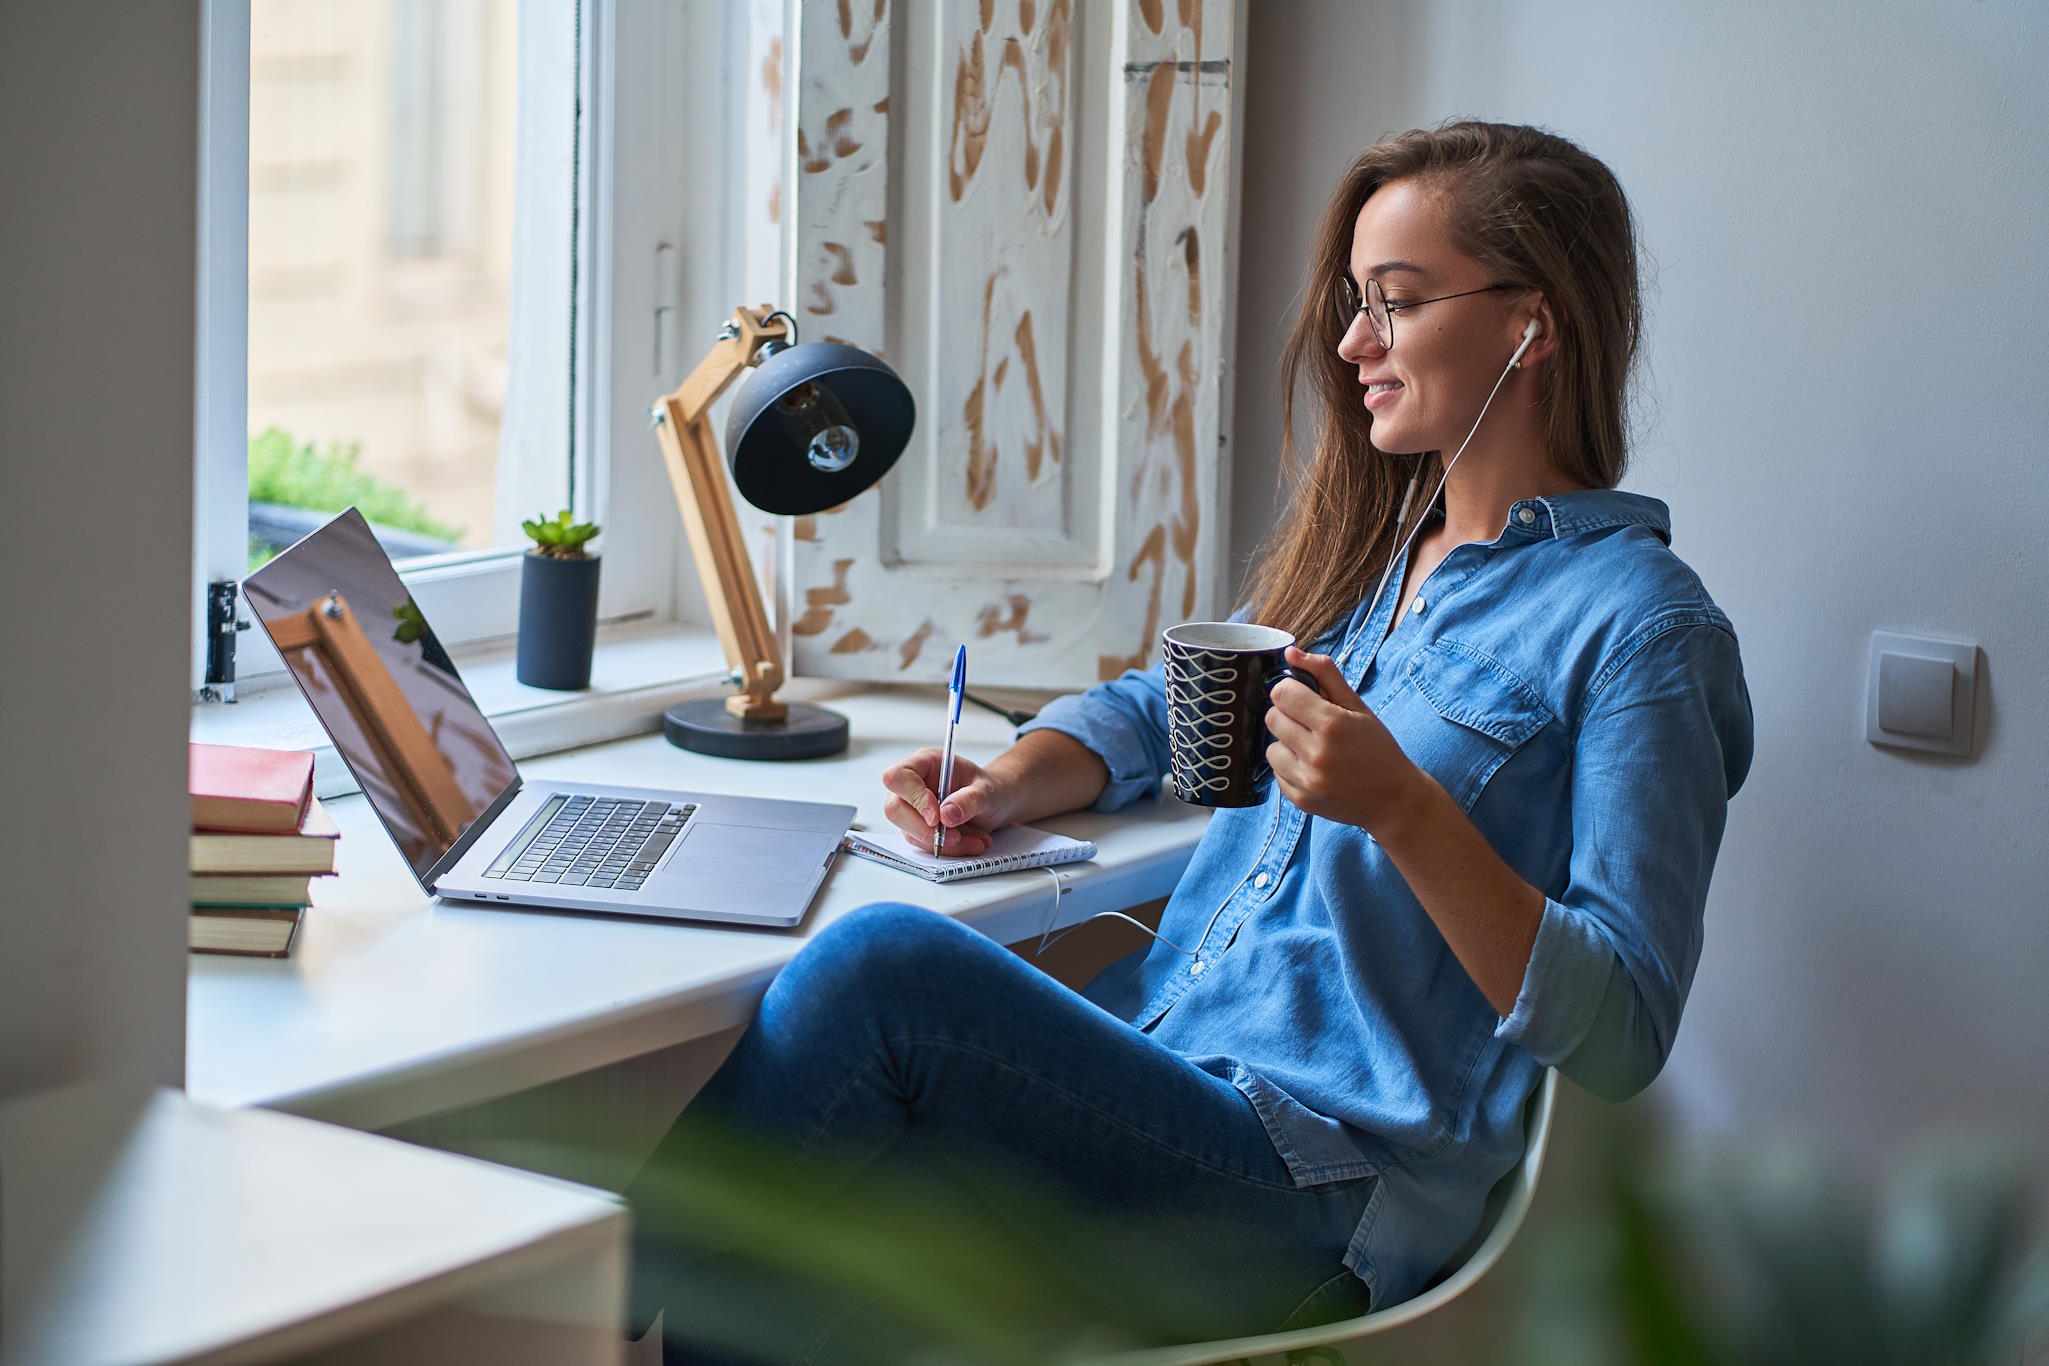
1125	722
1664	745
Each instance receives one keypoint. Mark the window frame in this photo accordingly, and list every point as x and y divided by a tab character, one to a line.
644	158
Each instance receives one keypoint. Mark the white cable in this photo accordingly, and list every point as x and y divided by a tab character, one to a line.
1044	941
1529	335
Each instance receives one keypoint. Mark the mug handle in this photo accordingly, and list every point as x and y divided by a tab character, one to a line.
1286	671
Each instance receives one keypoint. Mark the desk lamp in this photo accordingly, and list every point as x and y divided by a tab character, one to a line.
814	425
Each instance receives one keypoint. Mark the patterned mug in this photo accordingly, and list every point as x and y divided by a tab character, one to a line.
1218	676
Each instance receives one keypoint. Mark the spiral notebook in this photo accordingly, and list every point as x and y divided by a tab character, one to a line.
1013	847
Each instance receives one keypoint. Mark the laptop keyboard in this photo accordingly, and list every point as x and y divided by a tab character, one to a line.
612	842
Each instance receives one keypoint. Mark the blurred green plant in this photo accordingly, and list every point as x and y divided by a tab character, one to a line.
286	471
559	537
1758	1258
1773	1257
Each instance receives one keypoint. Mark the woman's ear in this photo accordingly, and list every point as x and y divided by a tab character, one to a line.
1546	340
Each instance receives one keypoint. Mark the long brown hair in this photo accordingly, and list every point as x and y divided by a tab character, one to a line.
1535	210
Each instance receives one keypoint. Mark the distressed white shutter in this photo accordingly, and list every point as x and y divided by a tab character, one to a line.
1028	208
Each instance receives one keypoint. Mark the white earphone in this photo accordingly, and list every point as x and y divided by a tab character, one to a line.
1515	362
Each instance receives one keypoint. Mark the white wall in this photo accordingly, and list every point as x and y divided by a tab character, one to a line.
98	162
1846	208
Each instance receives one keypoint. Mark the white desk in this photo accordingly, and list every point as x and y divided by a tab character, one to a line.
395	1006
141	1227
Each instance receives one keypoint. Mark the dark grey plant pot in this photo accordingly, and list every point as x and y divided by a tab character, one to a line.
558	621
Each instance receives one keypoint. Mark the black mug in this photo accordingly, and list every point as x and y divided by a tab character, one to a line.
1218	676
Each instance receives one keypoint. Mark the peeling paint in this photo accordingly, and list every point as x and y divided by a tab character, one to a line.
1109	666
974	101
819	602
981	471
811	164
1044	438
1159	100
853	642
836	131
1197	149
843	273
1011	617
907	653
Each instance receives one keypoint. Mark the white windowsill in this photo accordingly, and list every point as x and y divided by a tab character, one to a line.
641	669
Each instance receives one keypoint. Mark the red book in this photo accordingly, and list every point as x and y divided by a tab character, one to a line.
236	787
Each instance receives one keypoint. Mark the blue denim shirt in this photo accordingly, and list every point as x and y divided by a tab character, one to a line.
1573	687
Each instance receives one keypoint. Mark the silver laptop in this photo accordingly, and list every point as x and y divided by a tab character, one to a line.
453	802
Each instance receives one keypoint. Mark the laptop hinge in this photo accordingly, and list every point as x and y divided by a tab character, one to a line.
472	833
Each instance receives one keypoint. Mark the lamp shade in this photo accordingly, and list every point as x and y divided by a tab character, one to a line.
814	425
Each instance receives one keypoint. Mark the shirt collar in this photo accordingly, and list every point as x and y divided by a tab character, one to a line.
1570	514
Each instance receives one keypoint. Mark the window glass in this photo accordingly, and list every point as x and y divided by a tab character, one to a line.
411	264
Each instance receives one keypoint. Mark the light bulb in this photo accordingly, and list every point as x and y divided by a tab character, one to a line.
815	417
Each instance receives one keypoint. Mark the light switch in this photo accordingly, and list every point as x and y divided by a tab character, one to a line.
1921	693
1915	695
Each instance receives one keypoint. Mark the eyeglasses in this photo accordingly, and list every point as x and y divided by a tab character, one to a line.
1380	312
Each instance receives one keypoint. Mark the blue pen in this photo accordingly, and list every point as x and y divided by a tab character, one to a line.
953	695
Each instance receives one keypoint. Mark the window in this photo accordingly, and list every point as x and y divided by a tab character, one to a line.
429	285
410	173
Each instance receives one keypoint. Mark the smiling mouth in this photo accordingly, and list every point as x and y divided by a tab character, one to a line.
1382	393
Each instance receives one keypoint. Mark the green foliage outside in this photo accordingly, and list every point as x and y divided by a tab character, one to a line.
286	472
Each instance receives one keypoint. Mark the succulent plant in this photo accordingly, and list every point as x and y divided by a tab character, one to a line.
559	537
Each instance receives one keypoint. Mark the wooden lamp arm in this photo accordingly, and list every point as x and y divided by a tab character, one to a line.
691	453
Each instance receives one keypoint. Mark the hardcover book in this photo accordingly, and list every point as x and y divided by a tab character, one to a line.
237	787
308	850
249	889
247	931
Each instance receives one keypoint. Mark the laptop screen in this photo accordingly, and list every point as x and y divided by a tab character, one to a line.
383	687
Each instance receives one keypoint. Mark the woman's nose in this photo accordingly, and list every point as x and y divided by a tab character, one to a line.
1359	343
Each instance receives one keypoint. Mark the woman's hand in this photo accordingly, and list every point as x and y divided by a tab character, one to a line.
1332	757
978	805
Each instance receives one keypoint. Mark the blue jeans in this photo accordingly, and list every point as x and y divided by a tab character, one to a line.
924	1138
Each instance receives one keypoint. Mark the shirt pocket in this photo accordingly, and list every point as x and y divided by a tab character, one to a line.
1472	715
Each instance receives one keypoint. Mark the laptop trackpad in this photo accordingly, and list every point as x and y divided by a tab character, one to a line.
753	854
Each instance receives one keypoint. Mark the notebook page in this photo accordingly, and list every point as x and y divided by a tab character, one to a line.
1014	846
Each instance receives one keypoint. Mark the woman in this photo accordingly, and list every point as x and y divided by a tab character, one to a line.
1486	851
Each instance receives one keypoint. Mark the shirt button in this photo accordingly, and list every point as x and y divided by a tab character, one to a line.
1261	880
1417	606
1195	968
1526	516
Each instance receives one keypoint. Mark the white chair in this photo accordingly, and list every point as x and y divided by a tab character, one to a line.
1507	1204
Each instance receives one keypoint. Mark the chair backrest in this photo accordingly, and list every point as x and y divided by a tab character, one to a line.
1507	1206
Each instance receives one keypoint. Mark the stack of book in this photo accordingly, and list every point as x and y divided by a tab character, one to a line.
259	838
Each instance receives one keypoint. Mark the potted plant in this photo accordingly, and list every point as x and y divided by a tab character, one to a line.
558	604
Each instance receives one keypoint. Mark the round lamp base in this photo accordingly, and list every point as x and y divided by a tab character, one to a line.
706	727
